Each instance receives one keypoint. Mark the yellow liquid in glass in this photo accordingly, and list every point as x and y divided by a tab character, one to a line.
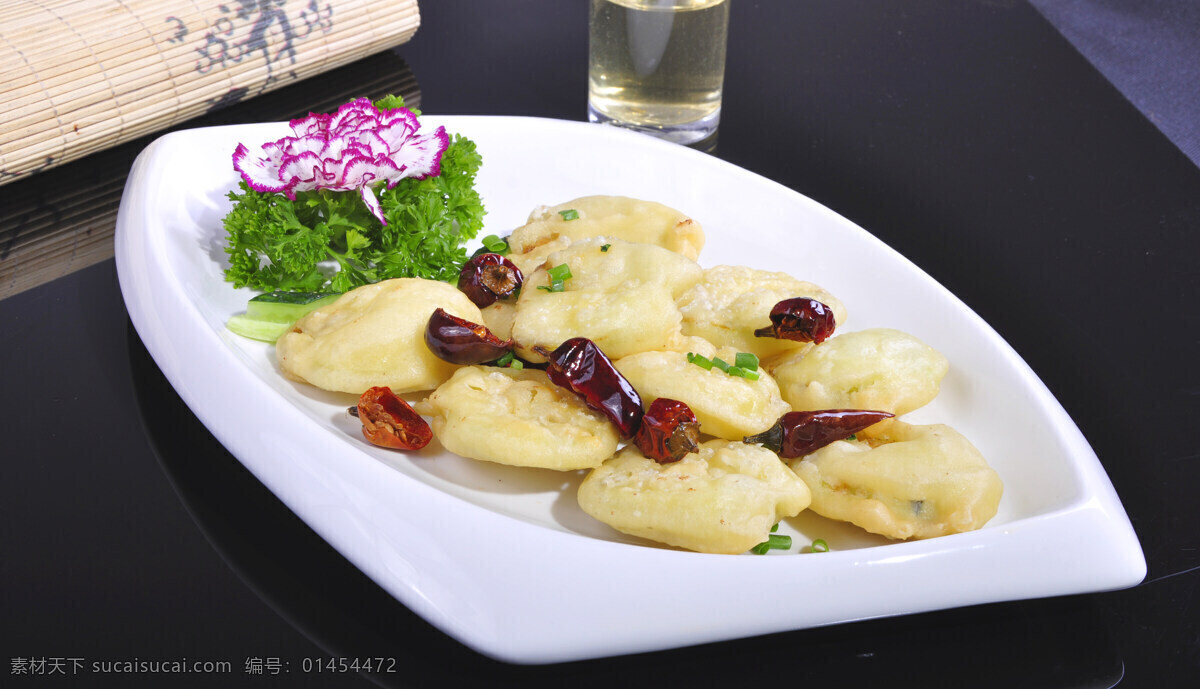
657	64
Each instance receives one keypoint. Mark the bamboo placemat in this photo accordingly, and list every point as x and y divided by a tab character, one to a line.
63	221
85	75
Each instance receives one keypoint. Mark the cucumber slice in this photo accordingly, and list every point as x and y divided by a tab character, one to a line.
287	307
270	315
264	331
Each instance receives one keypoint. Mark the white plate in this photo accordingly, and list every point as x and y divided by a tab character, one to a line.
502	559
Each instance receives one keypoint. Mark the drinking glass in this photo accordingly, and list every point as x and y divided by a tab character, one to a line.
658	66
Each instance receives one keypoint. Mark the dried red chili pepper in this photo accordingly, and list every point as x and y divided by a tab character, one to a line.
799	433
580	366
669	431
388	421
488	277
800	319
460	341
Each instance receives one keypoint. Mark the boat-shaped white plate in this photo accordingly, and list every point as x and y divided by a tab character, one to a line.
502	559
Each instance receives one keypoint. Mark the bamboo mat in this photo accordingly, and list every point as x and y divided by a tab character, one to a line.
64	220
85	75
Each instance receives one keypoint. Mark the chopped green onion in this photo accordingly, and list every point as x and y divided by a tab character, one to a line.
708	365
495	244
569	214
820	546
852	437
742	373
746	360
558	275
774	542
604	247
774	527
510	361
745	365
560	272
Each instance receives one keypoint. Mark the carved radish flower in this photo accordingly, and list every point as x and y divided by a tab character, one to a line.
355	148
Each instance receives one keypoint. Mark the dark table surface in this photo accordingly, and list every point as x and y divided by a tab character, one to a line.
969	136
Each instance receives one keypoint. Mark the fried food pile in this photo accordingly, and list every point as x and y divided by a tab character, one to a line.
622	276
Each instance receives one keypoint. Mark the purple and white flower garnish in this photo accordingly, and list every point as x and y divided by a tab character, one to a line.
355	148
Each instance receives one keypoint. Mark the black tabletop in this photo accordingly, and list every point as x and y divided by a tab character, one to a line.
969	136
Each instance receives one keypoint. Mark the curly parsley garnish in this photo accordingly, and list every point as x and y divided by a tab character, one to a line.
328	241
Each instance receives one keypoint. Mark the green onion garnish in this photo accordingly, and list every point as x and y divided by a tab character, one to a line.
820	546
604	247
558	275
495	245
569	214
746	360
740	372
736	370
510	361
852	437
774	542
774	527
562	271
